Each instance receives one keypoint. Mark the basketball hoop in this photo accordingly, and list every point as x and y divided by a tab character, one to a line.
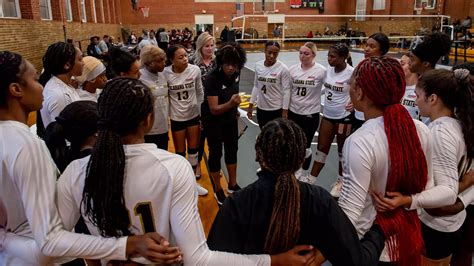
145	11
418	11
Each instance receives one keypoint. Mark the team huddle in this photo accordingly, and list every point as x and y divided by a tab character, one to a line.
96	181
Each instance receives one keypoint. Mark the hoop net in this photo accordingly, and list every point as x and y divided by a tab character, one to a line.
145	11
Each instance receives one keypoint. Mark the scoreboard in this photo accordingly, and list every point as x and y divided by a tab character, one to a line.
307	4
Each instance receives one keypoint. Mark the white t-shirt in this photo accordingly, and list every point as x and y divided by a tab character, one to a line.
57	95
306	85
336	90
271	86
409	102
87	96
449	150
366	166
28	194
185	92
162	185
159	89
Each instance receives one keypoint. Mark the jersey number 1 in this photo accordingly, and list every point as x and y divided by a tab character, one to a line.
145	213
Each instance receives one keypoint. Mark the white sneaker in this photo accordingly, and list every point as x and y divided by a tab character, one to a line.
304	176
336	188
201	191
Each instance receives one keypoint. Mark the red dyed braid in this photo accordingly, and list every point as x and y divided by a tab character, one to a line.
382	80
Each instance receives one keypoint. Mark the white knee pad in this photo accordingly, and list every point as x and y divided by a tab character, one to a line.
320	156
193	158
308	153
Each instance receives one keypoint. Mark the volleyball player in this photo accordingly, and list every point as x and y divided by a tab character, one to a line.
427	53
377	44
151	74
32	227
141	188
446	98
271	86
304	103
337	119
122	64
220	115
186	95
390	151
409	99
61	62
92	80
463	253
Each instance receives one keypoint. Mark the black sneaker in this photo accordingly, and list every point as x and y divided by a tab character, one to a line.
233	188
220	197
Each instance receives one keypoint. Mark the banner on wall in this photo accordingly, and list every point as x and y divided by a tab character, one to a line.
319	4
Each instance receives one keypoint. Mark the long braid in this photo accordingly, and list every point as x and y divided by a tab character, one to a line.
382	80
280	149
123	105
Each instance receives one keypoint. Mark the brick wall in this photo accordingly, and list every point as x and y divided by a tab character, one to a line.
32	39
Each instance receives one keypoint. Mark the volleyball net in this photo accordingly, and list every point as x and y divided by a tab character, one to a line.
352	29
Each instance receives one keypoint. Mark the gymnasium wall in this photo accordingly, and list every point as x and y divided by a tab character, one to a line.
31	39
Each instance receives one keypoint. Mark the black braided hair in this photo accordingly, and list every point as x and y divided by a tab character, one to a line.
56	57
12	68
123	105
76	122
280	149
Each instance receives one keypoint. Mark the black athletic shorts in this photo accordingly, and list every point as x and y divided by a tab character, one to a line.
182	125
439	245
346	120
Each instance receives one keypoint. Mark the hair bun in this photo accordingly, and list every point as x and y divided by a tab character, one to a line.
461	74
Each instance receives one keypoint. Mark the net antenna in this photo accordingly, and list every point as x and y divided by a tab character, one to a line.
145	10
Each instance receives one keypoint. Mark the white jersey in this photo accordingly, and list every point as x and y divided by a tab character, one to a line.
449	150
160	193
57	95
336	90
359	115
87	96
409	102
27	194
365	168
185	92
306	85
159	90
271	85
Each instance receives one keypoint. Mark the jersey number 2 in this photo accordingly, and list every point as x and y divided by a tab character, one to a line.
329	96
145	213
